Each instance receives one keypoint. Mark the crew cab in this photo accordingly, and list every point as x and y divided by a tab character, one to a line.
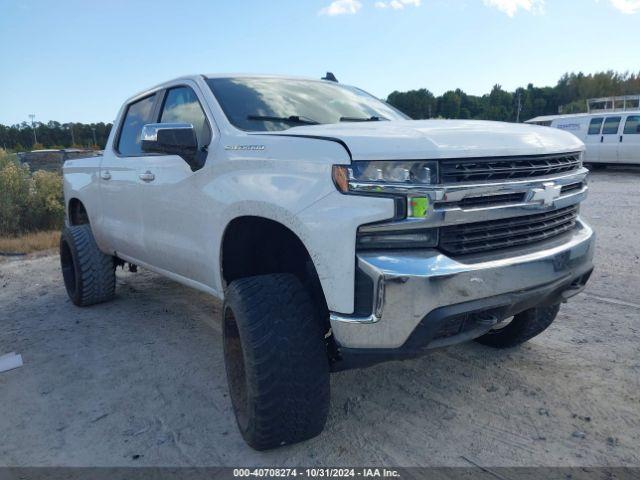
337	232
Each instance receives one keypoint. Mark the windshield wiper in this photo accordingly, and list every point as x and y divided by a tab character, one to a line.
362	119
290	119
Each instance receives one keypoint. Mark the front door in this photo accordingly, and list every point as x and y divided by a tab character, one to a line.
629	151
177	231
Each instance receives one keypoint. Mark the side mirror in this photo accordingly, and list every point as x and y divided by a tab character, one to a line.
173	139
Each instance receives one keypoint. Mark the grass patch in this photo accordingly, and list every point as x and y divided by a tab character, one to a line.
30	242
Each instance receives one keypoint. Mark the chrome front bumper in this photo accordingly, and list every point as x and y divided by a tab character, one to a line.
409	285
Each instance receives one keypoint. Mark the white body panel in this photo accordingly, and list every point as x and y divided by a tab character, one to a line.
175	224
433	139
629	148
621	146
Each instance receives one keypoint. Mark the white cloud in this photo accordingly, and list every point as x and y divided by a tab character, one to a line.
510	7
341	7
627	6
398	4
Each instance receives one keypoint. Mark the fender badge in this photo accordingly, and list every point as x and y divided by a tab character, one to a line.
245	148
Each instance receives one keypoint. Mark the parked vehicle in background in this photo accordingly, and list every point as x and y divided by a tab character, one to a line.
611	133
338	232
52	159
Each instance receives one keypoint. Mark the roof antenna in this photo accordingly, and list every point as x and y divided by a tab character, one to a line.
330	77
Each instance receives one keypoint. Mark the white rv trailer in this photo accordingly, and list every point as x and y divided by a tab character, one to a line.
611	134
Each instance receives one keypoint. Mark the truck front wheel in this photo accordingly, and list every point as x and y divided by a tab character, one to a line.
89	275
276	360
521	328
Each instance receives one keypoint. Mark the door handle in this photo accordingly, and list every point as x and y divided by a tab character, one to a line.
602	139
620	138
105	175
147	176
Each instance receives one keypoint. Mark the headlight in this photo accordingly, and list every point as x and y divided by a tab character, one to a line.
366	176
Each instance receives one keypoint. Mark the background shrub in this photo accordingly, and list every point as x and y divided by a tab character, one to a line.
28	202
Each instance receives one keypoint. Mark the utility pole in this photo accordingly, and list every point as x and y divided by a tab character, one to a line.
519	107
95	142
73	139
33	127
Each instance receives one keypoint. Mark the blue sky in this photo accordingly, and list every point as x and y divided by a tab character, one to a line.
73	60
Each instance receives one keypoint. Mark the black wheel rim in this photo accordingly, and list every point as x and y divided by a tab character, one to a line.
68	268
236	375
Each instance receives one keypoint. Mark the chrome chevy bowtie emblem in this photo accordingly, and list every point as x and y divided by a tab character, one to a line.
546	195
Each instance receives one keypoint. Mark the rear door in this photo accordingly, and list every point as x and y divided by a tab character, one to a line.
121	209
610	139
593	140
629	150
177	233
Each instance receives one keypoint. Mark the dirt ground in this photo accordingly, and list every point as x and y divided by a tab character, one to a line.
140	381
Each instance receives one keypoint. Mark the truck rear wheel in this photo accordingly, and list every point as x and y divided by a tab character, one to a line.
521	328
89	275
276	360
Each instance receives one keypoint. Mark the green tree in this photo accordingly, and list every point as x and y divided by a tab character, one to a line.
53	134
449	104
415	103
568	95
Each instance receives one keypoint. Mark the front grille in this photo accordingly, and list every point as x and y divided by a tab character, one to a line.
506	233
485	201
574	187
503	168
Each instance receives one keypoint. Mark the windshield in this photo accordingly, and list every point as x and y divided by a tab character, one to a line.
267	104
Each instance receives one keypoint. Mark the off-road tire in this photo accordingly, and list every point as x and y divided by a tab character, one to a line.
89	275
276	360
523	327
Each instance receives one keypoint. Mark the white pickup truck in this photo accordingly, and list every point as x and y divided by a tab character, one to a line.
338	232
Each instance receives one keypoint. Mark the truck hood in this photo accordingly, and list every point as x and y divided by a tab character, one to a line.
427	139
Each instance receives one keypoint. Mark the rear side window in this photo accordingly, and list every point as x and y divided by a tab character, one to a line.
594	126
181	105
632	127
611	125
138	115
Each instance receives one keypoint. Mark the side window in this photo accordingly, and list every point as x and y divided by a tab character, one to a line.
611	125
181	105
632	127
594	126
138	115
